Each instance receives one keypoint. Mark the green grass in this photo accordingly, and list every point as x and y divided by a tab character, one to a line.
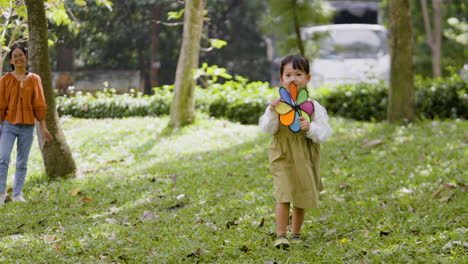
207	194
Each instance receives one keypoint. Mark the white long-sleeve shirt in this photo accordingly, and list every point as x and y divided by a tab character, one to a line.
319	131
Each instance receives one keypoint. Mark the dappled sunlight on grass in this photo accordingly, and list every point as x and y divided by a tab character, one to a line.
204	193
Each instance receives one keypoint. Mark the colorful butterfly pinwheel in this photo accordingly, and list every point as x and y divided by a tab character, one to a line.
294	105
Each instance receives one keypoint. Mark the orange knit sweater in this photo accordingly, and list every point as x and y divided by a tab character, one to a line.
22	102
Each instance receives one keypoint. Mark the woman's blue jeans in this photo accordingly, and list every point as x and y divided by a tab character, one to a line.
25	136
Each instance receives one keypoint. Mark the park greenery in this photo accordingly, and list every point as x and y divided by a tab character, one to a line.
147	192
242	101
394	194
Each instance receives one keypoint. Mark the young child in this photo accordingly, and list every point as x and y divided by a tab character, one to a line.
295	157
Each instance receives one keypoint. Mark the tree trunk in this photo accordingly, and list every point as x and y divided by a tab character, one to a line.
434	39
155	30
437	49
297	28
183	104
65	57
401	101
56	154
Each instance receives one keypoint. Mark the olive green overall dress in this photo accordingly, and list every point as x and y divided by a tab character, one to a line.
295	167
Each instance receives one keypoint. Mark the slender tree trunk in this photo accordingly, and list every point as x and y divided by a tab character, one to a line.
155	30
65	57
401	102
183	104
437	50
434	39
144	72
57	157
297	28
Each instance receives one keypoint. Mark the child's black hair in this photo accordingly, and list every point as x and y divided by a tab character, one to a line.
298	62
11	53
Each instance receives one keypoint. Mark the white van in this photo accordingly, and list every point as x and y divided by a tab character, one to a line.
348	53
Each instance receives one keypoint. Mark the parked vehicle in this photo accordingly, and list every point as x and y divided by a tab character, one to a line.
348	53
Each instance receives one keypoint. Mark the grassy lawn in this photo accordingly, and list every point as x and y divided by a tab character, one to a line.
203	194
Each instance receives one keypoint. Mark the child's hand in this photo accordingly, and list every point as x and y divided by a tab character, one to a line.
274	104
305	124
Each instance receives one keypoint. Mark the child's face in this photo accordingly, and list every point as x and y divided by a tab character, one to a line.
297	76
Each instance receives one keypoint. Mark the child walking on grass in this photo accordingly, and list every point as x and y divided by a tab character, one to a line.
294	157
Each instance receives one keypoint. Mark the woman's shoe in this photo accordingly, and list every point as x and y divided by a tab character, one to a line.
19	198
2	198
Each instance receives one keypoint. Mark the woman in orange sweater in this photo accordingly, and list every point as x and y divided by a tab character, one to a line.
21	103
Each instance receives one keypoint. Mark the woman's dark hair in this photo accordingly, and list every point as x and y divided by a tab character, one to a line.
11	53
298	62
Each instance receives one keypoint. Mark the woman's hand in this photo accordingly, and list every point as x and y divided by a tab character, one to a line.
305	124
274	104
46	134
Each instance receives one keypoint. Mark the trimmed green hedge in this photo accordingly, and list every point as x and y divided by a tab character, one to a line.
245	102
435	98
237	101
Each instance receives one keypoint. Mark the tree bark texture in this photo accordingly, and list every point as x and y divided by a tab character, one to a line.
56	154
183	104
401	101
155	31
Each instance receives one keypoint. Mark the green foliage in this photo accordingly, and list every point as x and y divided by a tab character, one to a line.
236	100
278	20
439	98
360	102
204	194
245	102
443	97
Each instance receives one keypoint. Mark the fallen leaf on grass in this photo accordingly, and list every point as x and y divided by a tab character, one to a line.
51	239
450	245
245	249
85	199
115	161
231	223
262	222
384	233
344	186
197	253
329	232
75	192
339	199
148	215
57	246
374	143
111	221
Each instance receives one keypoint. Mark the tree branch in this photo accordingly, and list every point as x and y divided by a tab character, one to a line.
167	24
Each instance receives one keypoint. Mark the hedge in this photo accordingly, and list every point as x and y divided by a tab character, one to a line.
245	102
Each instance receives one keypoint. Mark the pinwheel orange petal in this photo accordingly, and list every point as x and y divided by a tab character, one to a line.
293	91
287	119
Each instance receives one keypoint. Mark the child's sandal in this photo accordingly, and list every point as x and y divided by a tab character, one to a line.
296	239
281	242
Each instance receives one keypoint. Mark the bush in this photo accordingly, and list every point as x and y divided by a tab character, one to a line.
435	98
235	100
442	97
245	102
360	102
